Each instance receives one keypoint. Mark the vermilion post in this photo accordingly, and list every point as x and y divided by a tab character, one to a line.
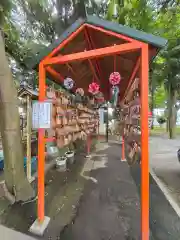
41	147
98	131
122	150
144	143
88	145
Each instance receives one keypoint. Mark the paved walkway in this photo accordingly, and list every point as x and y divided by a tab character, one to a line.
164	188
9	234
165	164
110	207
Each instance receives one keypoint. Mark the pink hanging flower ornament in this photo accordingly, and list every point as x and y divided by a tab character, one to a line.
115	78
93	88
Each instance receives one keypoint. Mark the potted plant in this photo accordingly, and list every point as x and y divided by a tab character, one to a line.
61	163
70	156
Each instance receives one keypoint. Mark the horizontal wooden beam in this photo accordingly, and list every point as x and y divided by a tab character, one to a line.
96	53
56	75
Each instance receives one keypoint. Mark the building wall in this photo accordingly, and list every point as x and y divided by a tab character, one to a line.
102	127
160	112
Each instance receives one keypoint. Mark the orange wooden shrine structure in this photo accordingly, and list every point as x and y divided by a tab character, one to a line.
85	52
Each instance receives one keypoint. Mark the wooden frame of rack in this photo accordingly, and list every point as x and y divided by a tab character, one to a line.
144	115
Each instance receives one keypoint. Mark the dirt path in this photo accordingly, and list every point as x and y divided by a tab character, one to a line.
110	207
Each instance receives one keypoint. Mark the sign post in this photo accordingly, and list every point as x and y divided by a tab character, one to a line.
41	120
41	115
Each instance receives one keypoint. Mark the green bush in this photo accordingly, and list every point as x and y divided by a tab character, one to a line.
161	120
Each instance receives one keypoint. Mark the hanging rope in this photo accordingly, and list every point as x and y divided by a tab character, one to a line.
114	63
114	80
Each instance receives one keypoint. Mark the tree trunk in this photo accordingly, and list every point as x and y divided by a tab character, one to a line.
15	178
172	113
166	113
167	125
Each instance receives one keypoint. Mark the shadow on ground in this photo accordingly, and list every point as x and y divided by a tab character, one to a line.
62	193
110	208
164	222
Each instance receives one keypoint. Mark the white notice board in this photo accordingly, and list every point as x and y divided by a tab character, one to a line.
41	115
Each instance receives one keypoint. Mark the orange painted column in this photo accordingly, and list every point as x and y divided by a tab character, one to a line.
144	143
123	150
88	144
98	138
41	148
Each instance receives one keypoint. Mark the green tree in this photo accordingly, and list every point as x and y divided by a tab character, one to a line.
170	64
27	26
15	178
33	24
136	13
160	18
160	97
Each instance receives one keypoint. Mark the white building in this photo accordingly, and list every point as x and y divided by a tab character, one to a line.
160	112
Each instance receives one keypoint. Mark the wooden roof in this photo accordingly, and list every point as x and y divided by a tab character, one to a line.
95	35
24	91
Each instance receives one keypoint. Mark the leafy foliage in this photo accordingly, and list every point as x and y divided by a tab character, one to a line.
160	17
160	97
5	6
29	25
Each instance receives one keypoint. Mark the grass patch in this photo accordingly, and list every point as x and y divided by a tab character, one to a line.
162	130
